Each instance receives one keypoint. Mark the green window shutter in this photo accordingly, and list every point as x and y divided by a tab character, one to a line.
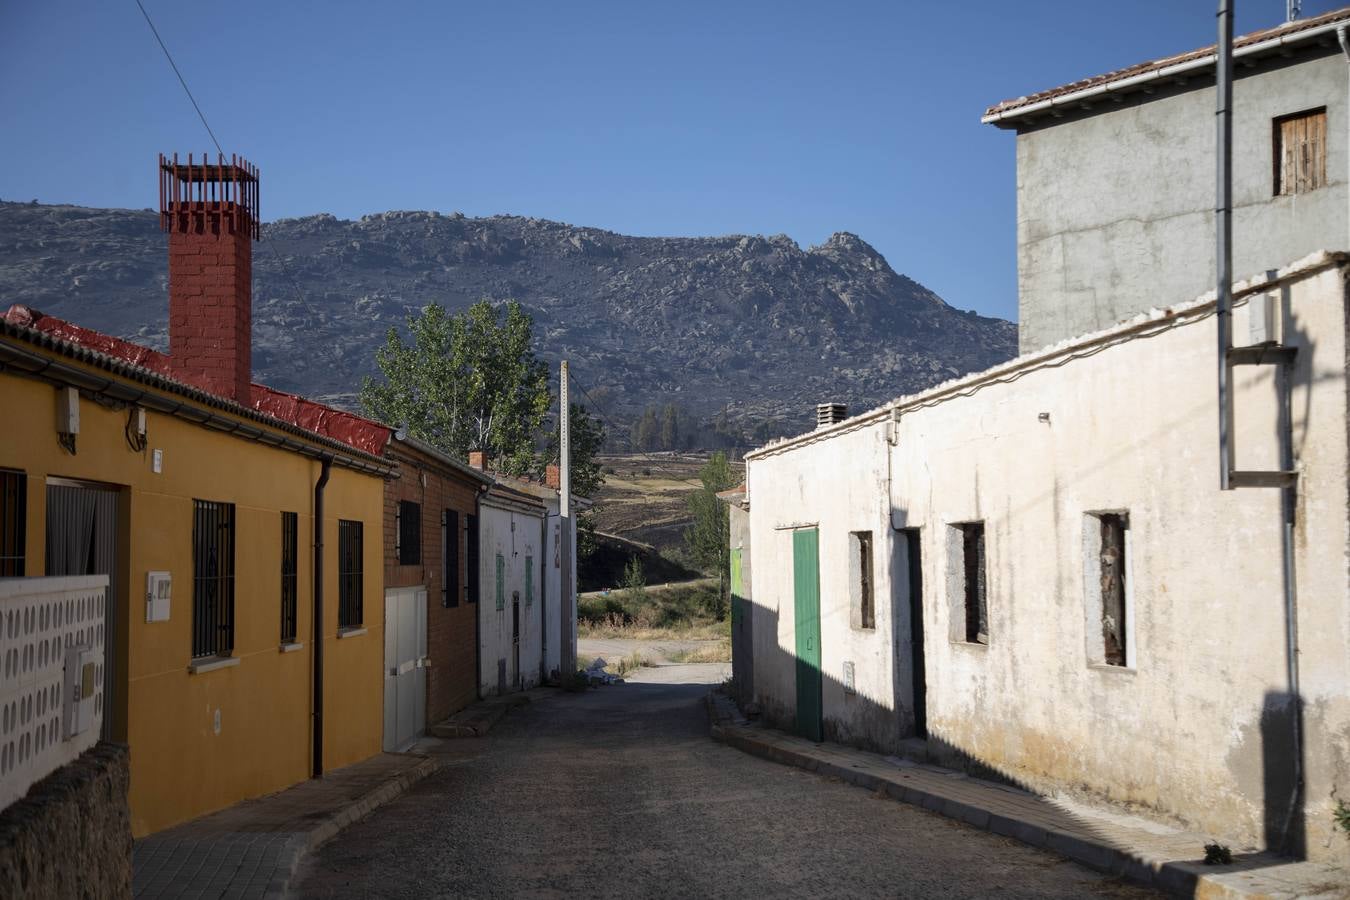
529	580
501	582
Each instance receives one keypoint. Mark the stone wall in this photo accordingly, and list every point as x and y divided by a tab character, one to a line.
71	835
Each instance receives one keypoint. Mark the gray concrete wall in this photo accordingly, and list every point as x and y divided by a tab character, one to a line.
71	835
1115	208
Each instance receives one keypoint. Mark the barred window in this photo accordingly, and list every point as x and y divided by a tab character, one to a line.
450	540
350	577
529	580
212	578
290	527
501	581
408	533
13	521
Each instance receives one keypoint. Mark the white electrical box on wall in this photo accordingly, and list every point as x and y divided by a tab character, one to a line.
81	682
158	591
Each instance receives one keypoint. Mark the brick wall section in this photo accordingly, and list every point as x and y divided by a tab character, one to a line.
71	835
452	637
211	304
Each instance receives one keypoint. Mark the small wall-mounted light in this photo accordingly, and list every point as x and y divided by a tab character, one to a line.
1043	417
135	430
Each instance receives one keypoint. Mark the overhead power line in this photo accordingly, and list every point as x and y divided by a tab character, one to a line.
266	241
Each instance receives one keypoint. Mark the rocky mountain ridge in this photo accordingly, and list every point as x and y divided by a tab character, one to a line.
753	325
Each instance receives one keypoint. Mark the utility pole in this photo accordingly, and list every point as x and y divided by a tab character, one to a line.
568	593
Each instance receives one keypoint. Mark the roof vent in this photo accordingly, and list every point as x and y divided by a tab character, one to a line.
830	414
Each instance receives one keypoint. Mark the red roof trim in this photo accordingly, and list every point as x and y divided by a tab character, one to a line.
355	431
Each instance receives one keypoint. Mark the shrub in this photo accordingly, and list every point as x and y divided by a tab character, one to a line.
1217	854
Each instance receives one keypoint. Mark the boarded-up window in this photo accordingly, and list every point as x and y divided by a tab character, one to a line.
1112	575
976	593
1301	152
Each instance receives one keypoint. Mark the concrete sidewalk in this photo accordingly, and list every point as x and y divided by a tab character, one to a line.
479	719
251	849
1143	851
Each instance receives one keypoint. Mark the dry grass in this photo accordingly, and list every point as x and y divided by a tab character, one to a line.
710	653
642	629
630	662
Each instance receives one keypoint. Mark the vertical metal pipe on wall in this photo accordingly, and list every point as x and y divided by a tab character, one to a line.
317	631
1223	225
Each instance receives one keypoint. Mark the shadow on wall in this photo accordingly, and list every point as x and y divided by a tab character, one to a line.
1281	764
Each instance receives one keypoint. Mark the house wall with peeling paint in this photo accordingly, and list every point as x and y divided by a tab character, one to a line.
1198	728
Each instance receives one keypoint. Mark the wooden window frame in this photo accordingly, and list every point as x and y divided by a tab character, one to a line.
1311	174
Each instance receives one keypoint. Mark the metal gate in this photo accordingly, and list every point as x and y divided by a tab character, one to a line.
82	539
405	662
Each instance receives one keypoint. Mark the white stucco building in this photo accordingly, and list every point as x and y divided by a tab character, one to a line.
1032	572
511	569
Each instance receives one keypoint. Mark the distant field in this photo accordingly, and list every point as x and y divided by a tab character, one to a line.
645	500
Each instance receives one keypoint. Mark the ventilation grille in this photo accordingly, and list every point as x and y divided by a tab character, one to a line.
830	414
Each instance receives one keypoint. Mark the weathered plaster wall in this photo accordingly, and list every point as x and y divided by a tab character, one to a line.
742	609
1105	196
832	486
516	536
1198	729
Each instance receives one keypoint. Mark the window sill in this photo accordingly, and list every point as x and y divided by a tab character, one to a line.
1107	667
350	632
972	645
211	663
291	647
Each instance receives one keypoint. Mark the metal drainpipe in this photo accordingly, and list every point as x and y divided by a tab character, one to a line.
317	768
1223	221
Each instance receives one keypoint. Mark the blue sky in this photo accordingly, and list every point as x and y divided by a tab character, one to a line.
673	118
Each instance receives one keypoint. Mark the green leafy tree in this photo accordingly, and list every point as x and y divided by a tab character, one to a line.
465	382
709	537
634	583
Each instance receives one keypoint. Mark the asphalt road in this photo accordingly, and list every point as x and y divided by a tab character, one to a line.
619	792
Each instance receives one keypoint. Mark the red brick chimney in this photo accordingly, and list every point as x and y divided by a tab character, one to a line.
553	476
478	459
210	211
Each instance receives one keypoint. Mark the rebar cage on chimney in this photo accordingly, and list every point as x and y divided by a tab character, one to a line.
189	191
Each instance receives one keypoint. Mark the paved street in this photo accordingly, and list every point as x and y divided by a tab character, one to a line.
620	791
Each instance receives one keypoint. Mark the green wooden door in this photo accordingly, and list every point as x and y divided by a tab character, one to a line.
806	596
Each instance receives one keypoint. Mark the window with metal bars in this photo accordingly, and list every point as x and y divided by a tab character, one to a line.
974	583
450	539
474	559
350	580
212	578
408	533
501	581
13	522
1300	152
529	581
290	527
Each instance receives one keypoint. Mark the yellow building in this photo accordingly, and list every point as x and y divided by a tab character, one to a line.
198	493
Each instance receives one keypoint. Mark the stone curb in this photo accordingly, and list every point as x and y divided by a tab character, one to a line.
478	720
302	844
1180	878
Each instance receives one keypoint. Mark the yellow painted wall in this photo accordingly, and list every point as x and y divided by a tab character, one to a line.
181	766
